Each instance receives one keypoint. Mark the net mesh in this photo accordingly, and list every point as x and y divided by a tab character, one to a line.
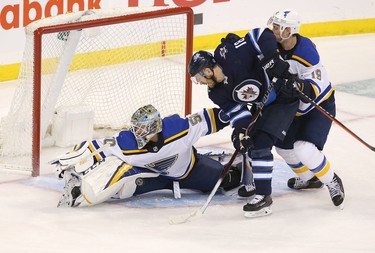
113	69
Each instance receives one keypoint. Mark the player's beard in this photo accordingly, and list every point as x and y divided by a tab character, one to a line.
213	82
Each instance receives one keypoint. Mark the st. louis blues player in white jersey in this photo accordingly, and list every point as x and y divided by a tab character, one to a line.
306	137
239	74
154	154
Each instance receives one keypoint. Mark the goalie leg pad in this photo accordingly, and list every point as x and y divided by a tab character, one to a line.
109	178
133	182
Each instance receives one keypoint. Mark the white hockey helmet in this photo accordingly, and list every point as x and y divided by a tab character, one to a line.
286	18
145	123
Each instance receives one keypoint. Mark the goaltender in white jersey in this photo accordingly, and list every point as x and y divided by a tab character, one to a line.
154	154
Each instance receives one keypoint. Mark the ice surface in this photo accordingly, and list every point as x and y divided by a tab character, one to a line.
302	221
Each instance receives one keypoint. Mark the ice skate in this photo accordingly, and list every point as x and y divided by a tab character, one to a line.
297	183
260	205
336	190
246	191
71	192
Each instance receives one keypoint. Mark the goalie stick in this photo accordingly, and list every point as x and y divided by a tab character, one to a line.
183	218
328	115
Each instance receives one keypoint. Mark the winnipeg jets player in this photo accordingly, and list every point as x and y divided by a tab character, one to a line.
154	154
306	137
236	76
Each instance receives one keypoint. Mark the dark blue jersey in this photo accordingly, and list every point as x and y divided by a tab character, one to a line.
240	61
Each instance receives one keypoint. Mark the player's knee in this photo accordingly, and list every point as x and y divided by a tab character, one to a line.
304	148
287	154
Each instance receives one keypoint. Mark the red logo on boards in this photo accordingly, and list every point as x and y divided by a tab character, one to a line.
27	11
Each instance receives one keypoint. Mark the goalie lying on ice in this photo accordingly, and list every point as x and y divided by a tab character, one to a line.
154	154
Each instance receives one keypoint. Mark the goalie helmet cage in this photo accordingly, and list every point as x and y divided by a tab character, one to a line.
111	60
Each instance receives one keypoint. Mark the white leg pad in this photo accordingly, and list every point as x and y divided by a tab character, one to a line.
103	182
129	185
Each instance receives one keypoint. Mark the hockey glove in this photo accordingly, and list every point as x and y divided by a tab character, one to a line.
230	38
276	67
292	87
77	160
295	88
241	141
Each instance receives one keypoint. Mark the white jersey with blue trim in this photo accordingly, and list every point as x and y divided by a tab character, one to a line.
173	156
305	61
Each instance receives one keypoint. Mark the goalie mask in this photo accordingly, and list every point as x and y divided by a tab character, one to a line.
145	123
286	18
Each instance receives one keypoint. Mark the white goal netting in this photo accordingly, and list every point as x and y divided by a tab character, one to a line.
112	67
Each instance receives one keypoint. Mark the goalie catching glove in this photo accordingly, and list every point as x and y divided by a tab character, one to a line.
241	141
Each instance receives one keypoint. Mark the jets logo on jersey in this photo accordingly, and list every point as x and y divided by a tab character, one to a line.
162	166
247	92
223	51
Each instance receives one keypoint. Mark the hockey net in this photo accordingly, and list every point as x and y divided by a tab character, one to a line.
112	61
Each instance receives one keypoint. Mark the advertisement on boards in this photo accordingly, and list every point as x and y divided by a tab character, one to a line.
212	16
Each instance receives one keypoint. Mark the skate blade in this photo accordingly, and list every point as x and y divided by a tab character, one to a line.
341	206
245	198
263	212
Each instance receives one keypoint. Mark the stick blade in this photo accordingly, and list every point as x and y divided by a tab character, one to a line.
183	218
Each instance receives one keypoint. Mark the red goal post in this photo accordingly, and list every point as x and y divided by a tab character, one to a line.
140	55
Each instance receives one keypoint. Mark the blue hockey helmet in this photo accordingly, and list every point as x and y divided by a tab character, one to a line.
199	61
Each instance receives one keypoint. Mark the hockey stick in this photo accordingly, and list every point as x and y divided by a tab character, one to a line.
247	174
328	115
178	219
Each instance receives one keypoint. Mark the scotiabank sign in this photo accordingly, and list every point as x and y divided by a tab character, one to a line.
27	11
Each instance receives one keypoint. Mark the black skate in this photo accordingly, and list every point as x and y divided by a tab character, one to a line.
246	191
232	179
336	190
260	205
297	183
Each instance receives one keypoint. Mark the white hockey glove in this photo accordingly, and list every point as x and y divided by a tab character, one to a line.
79	160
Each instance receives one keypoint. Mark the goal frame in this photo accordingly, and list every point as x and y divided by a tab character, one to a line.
37	76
